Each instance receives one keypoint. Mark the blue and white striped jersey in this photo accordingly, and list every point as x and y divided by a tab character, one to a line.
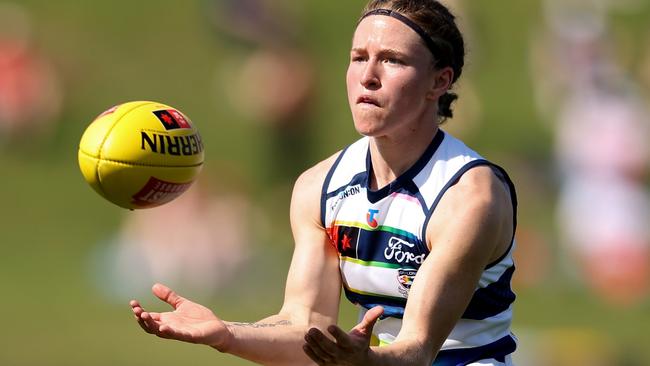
380	237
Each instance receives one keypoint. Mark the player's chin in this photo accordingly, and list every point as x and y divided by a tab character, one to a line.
365	131
370	130
368	126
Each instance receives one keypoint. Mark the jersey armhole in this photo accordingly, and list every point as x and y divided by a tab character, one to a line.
503	177
501	174
326	183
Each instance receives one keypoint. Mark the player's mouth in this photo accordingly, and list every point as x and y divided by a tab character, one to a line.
368	100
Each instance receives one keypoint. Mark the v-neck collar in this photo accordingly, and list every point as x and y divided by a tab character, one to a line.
404	178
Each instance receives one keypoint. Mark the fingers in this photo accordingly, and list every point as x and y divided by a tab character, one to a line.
371	316
165	294
319	348
147	321
312	355
342	338
137	309
369	320
150	323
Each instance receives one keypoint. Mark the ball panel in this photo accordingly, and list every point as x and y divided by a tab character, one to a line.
88	166
154	134
136	186
93	138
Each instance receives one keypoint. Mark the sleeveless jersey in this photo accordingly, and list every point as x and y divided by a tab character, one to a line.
380	237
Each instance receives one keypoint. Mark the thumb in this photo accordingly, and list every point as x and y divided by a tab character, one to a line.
166	294
369	320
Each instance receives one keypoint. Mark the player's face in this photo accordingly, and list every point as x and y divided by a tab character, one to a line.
389	78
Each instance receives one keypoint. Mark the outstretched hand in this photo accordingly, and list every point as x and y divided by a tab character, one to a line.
188	322
348	348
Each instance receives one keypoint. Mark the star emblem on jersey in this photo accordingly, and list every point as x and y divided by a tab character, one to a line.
345	243
345	239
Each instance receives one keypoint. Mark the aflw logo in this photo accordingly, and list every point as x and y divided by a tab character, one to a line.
172	145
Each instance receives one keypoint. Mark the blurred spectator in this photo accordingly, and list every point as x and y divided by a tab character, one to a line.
566	346
468	109
645	62
255	22
602	151
604	208
565	50
273	87
200	242
533	256
30	92
271	82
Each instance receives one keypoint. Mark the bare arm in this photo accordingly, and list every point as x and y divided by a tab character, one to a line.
311	295
313	285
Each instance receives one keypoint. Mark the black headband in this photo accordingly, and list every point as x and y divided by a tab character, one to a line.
431	45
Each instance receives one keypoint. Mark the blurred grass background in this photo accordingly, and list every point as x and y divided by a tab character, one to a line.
55	311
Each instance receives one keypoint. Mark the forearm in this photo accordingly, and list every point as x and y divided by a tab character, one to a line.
313	286
272	341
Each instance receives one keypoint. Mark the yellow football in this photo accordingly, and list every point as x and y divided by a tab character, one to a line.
140	154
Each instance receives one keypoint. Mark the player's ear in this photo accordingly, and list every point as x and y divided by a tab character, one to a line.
442	80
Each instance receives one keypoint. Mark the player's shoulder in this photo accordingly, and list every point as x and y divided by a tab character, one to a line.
478	177
481	195
478	203
305	199
315	175
483	182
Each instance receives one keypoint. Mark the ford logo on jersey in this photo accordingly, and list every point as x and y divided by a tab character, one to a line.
399	251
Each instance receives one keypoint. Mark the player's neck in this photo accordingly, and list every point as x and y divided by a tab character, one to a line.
391	157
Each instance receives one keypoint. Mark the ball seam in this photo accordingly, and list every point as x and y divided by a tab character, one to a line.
139	164
117	120
101	145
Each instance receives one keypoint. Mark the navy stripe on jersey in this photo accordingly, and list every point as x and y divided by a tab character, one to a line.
326	183
389	311
501	173
358	179
462	356
414	191
449	184
403	251
491	299
393	306
401	181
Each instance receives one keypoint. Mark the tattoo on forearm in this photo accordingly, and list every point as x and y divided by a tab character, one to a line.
263	325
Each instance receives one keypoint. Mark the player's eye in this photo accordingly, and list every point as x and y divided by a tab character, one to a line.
357	58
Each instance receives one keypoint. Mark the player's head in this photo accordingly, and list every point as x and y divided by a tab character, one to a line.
437	31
